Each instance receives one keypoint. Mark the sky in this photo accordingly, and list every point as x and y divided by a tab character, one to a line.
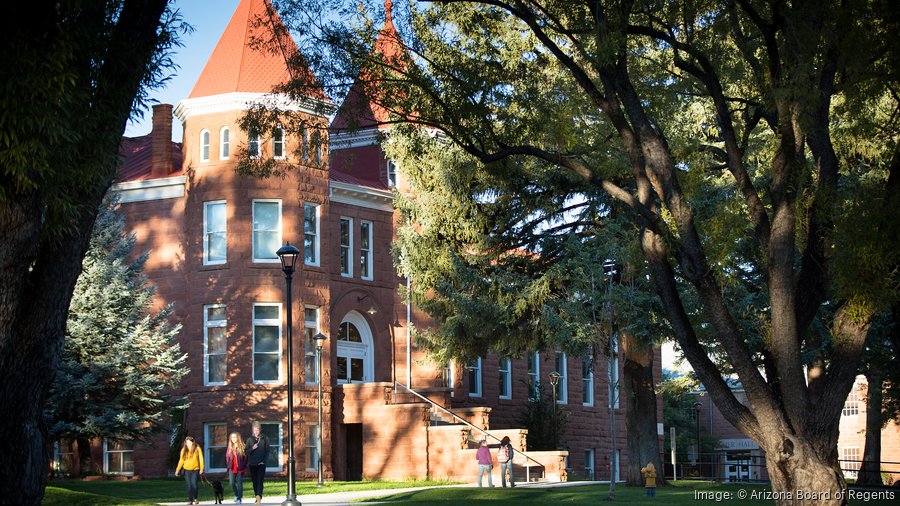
209	18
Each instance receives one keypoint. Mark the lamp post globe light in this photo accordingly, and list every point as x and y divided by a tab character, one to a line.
288	255
554	380
320	342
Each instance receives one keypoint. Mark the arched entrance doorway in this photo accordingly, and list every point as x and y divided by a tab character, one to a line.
355	350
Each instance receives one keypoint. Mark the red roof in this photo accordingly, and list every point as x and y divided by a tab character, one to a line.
358	111
137	159
343	177
237	64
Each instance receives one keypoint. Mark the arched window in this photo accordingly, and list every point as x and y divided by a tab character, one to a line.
224	143
204	146
355	356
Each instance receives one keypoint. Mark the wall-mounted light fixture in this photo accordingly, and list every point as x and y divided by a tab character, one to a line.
372	309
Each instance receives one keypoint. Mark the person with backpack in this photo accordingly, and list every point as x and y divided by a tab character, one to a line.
505	458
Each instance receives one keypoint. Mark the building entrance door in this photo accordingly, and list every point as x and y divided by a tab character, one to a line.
354	445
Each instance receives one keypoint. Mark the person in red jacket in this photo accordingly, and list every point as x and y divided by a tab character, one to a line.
485	462
236	462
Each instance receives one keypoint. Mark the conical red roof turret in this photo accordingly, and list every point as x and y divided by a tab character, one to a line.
239	63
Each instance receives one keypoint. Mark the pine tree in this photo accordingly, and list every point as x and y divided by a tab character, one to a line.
119	358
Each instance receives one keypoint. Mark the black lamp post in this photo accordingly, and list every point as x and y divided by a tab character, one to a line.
697	406
554	380
320	341
288	255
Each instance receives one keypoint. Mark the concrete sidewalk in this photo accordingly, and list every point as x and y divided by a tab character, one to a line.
347	498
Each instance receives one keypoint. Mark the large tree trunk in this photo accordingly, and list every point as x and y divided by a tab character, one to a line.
870	471
641	420
39	266
802	476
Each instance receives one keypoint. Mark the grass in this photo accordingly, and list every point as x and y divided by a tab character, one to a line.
683	494
150	492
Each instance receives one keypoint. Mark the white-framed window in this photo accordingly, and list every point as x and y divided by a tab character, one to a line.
448	374
474	369
587	380
278	143
253	145
505	373
851	405
267	343
347	247
391	174
215	344
534	374
589	464
64	457
850	461
215	236
312	447
272	431
355	350
318	146
266	230
613	372
305	140
118	457
204	145
311	234
365	249
215	441
310	329
562	388
224	143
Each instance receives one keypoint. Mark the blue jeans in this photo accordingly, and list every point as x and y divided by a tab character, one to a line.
190	479
236	480
506	467
651	491
482	470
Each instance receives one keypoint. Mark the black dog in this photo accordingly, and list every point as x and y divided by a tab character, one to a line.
218	491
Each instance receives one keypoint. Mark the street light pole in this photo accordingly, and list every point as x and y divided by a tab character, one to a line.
288	255
554	380
697	405
320	341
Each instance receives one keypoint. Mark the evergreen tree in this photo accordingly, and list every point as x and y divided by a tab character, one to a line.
119	359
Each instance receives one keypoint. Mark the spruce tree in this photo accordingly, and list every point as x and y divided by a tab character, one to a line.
119	359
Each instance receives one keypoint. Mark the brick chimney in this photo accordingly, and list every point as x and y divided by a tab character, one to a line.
161	141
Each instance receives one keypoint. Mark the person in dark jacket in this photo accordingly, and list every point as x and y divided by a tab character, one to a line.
257	448
505	456
236	463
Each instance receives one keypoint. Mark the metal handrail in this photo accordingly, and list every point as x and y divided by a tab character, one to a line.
486	433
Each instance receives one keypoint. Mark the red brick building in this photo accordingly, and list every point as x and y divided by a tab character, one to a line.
212	236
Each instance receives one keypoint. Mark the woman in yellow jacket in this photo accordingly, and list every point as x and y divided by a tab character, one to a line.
649	473
192	462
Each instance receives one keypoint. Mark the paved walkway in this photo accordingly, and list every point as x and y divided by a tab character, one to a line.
347	498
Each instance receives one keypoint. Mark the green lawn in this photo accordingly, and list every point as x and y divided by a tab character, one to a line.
148	492
683	494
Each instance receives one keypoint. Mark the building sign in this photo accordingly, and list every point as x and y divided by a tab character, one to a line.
737	444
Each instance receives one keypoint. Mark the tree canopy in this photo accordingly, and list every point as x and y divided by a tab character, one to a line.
751	146
73	72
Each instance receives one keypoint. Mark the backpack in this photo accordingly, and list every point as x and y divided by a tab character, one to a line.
503	454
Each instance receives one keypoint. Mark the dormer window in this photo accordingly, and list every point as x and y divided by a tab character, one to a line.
204	146
224	143
278	143
253	145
